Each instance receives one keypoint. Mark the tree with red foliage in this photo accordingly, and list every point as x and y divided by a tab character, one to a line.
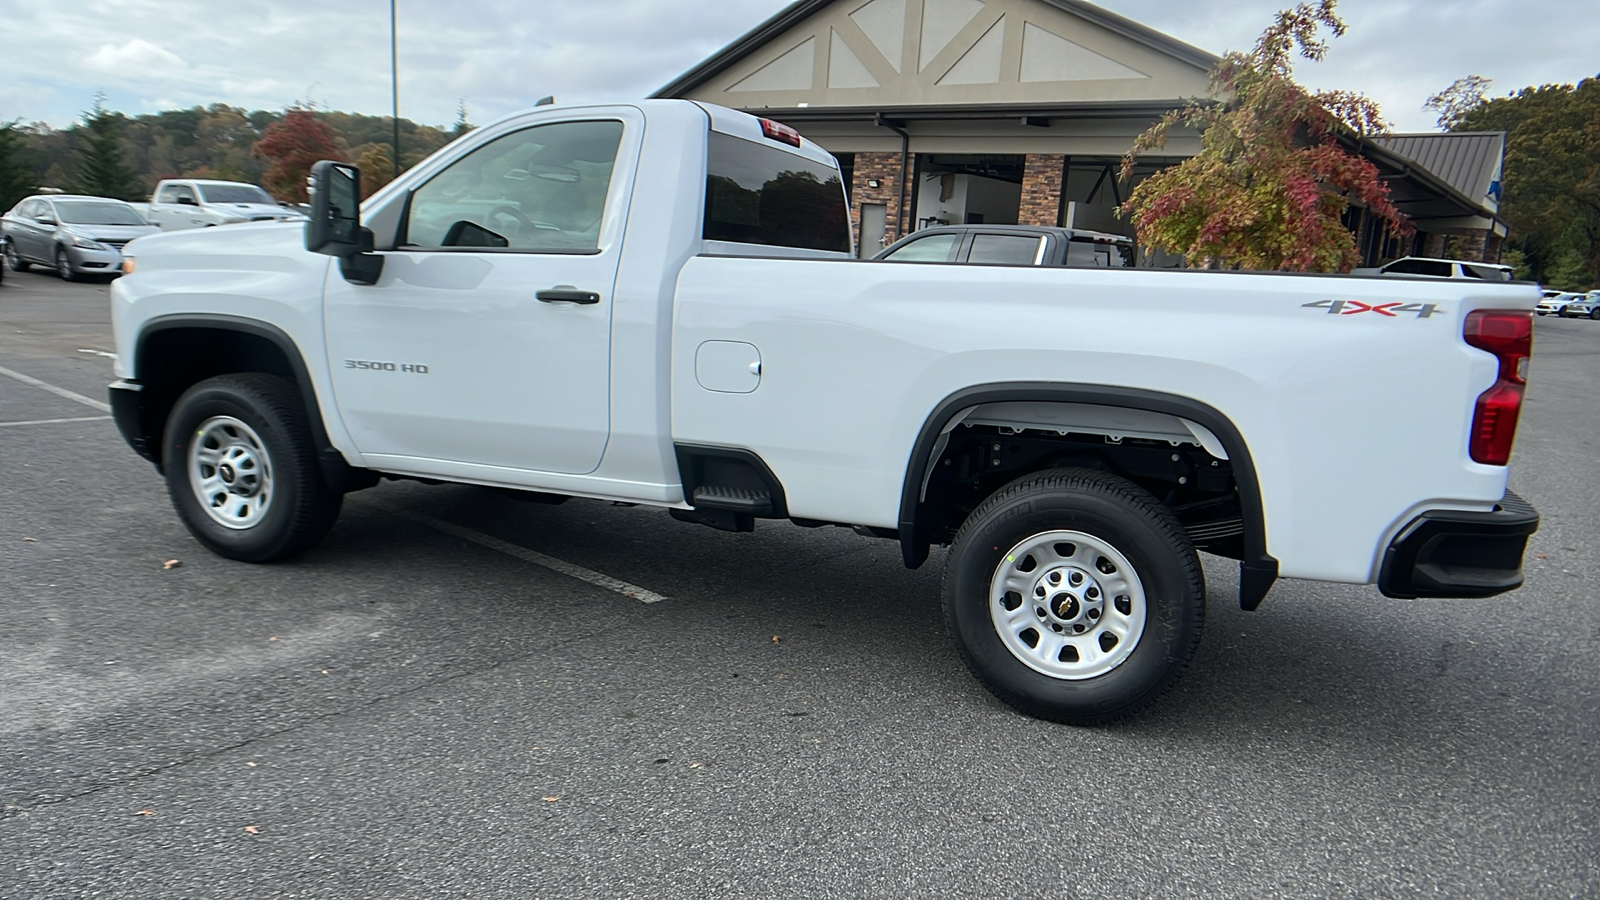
292	145
1271	181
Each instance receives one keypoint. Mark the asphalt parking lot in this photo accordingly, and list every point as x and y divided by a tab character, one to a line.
423	707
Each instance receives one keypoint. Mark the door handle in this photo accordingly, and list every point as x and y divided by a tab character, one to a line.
567	294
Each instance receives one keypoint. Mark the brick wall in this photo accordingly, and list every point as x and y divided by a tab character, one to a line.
1041	189
885	169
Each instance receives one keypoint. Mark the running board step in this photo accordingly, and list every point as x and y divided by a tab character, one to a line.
745	500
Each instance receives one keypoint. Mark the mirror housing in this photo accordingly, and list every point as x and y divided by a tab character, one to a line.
334	226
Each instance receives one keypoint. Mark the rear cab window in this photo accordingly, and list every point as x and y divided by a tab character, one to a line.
760	193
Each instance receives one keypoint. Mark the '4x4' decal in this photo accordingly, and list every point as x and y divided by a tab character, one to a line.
1356	307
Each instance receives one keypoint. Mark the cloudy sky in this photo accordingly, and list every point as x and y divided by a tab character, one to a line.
501	55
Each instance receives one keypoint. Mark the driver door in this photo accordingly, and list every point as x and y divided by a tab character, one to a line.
487	339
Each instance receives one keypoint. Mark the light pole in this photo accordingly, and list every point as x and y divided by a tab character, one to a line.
394	81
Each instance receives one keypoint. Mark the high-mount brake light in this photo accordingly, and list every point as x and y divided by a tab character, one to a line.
780	132
1508	334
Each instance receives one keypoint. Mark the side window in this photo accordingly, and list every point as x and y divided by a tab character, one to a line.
1419	267
42	210
539	189
1004	249
933	248
31	209
169	194
184	192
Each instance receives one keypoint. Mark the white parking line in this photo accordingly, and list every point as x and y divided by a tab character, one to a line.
54	421
107	355
59	392
526	555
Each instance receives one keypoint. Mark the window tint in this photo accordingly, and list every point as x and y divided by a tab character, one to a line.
542	188
1488	273
1004	249
235	193
1419	267
933	248
757	194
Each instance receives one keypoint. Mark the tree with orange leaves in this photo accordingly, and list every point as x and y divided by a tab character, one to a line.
291	146
1271	181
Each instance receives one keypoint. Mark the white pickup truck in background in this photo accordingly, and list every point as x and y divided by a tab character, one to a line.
572	303
180	203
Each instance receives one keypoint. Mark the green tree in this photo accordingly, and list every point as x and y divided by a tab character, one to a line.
1551	179
16	181
102	169
1271	181
291	146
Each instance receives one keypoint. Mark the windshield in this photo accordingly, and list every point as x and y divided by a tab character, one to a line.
96	212
235	193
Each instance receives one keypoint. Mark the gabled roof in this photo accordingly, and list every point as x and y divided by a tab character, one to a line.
797	12
1468	161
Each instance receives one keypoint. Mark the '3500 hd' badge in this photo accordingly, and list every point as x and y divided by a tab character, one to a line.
1356	307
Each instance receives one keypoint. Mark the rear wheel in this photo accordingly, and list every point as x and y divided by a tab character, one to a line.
242	471
1074	596
14	259
1595	313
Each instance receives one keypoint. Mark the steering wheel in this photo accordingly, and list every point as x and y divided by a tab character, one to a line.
522	220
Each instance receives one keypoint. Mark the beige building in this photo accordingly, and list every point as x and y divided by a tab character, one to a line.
991	111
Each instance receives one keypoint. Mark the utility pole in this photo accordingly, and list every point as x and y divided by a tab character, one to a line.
394	80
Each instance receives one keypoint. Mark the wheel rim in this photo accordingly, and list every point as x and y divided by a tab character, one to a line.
1067	604
63	265
231	472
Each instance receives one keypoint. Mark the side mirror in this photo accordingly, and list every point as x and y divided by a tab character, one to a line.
335	224
334	227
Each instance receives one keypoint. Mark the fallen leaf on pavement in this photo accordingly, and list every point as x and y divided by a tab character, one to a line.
251	764
252	829
1540	555
145	812
30	540
550	799
694	765
775	639
172	564
273	638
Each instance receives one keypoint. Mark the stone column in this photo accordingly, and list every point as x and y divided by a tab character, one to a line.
884	168
1433	246
1041	189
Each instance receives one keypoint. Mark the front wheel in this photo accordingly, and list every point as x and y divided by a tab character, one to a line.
242	471
1595	313
1074	596
64	265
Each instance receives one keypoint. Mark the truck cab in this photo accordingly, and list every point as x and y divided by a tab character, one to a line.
183	203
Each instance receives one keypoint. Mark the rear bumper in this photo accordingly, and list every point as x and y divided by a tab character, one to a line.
1448	553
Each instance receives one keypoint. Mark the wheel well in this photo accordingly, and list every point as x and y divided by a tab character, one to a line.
979	459
171	360
1188	455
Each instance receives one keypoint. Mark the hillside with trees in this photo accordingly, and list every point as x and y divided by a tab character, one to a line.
1552	172
111	154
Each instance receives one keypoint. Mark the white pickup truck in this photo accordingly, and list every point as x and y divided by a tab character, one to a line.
656	303
182	203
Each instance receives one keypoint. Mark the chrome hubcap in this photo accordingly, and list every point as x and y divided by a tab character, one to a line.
231	472
1067	604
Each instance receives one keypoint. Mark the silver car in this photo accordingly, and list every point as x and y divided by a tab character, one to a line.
73	234
1587	306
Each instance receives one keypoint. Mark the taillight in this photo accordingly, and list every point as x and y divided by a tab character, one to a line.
780	132
1508	334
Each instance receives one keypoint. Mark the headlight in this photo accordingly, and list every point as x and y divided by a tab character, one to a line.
87	244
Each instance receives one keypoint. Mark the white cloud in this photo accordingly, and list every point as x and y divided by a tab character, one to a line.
501	55
134	56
